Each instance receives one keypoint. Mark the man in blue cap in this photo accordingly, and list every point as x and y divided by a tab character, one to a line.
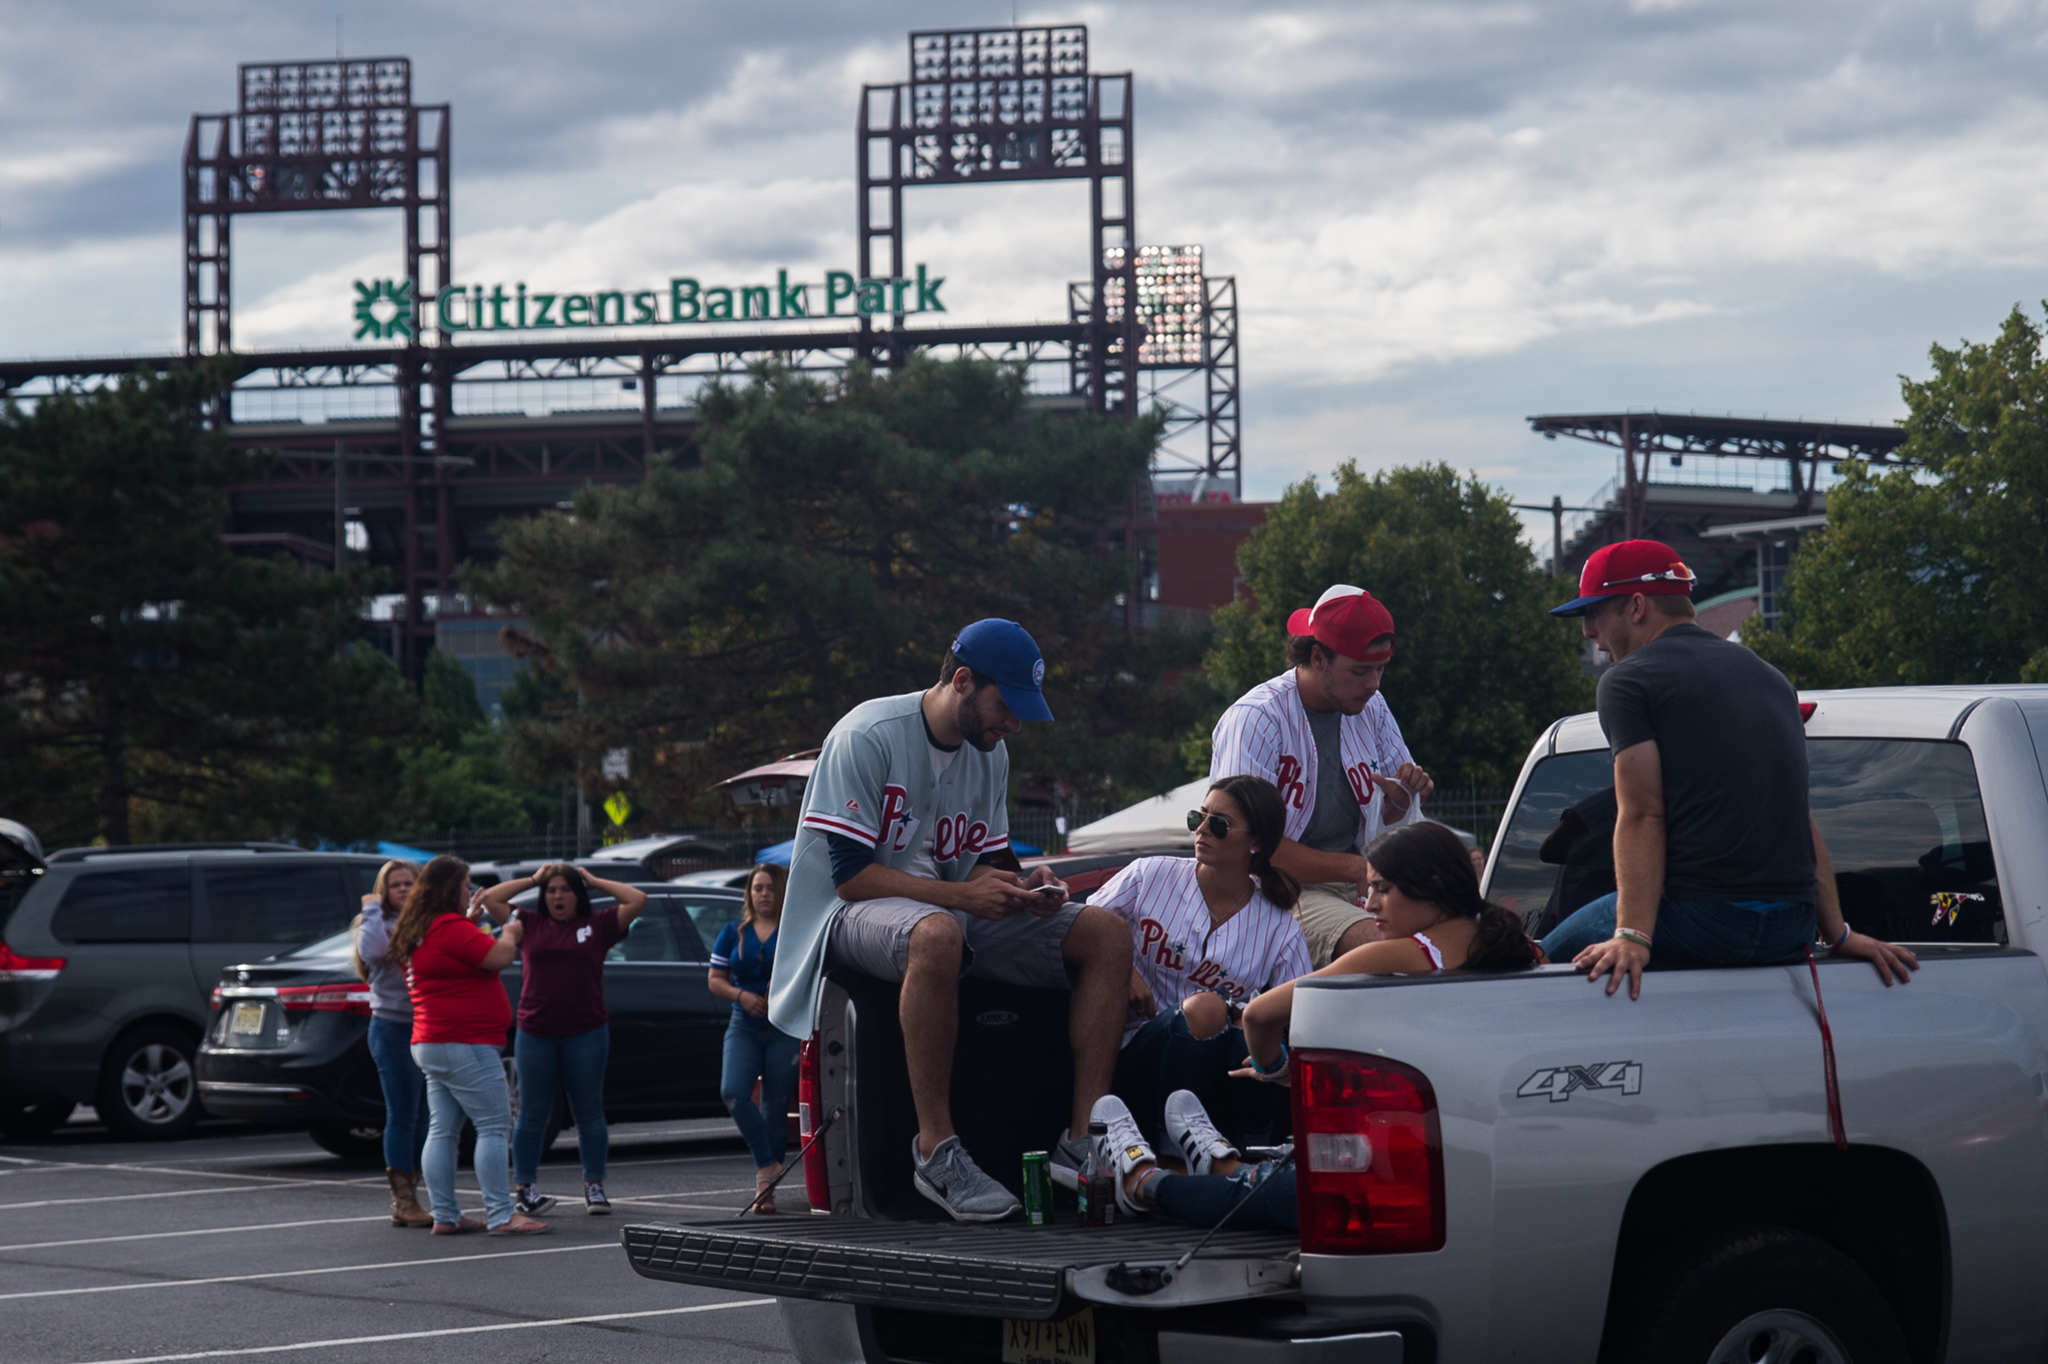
902	870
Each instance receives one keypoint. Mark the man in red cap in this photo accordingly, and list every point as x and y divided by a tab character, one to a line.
1715	852
1323	735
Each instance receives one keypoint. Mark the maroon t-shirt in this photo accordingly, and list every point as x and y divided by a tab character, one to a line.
562	965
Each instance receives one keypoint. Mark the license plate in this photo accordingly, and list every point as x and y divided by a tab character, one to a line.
1070	1340
247	1020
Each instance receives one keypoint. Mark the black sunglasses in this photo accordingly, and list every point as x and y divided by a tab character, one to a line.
1219	825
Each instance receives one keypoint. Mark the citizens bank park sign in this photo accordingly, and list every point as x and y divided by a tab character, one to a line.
385	309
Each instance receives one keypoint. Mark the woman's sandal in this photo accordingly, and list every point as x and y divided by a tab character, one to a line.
466	1225
764	1197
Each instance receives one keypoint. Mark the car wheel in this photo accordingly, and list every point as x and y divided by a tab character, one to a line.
1774	1294
33	1119
147	1091
356	1143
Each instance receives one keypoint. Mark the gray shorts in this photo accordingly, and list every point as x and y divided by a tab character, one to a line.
873	937
1326	912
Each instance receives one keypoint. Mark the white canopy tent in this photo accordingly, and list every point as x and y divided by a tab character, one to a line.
1161	822
1155	824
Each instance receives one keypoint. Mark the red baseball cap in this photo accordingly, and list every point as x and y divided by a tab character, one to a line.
1625	568
1347	619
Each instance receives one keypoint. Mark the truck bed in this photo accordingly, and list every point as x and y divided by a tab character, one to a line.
999	1270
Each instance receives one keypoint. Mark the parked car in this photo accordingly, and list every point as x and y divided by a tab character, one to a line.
1518	1166
106	958
730	878
288	1042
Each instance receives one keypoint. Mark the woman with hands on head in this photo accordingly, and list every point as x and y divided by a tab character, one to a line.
459	1020
564	1037
742	961
1432	918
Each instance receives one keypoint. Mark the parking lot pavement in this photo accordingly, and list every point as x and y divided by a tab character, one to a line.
242	1244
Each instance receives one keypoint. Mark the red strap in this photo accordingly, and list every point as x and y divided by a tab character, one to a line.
1827	1052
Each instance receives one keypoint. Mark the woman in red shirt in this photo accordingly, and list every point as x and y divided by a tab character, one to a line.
460	1016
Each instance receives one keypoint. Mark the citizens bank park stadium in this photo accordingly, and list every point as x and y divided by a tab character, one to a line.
448	403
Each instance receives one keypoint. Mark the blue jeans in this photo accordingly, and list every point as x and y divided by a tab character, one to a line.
1164	1056
1203	1200
405	1093
1697	932
757	1049
465	1078
576	1065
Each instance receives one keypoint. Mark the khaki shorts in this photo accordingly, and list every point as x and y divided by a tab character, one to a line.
1325	912
873	937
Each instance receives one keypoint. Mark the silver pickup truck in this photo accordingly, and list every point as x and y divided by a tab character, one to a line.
1522	1167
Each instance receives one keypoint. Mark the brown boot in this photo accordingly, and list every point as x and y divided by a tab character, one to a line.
764	1200
405	1205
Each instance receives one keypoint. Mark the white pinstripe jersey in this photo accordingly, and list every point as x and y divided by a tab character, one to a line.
1177	951
1265	733
874	784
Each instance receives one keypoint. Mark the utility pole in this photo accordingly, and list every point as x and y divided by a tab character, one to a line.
1557	509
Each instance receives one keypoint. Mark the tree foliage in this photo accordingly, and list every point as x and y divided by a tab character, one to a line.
154	682
1480	668
823	550
1931	572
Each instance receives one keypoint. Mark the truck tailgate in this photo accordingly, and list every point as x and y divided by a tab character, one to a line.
1000	1270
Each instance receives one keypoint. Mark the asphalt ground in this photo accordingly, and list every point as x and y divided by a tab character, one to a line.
249	1244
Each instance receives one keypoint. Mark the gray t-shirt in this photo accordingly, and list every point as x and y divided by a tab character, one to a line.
1333	824
1732	749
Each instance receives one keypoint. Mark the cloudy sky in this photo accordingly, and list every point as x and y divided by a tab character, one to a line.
1443	215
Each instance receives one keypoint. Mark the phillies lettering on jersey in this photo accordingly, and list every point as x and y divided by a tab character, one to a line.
953	836
1255	949
1287	779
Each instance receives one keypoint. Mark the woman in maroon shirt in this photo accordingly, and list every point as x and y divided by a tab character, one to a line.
564	1037
459	1019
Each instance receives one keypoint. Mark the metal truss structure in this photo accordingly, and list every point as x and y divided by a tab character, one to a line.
1683	507
990	105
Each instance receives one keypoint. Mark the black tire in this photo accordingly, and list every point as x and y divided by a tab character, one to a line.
33	1119
356	1143
1797	1293
147	1090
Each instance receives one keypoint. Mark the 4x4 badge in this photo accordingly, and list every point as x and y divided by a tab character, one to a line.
1558	1083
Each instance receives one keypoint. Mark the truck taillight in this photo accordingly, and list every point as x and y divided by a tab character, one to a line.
14	966
1370	1156
348	998
809	1104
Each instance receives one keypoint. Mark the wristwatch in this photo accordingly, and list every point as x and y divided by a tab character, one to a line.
1233	1012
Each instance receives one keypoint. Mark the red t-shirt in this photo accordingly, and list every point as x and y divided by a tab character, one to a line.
563	965
452	999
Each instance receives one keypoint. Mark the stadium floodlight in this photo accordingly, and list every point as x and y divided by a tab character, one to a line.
1168	282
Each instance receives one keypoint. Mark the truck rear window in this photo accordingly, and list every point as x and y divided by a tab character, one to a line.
1902	818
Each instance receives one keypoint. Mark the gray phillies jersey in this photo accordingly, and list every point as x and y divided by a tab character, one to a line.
873	784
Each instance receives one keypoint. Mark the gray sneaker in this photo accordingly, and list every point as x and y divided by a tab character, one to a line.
1063	1163
950	1178
1193	1134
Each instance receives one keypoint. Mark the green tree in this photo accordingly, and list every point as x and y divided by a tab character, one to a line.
1931	572
456	775
1479	669
823	551
154	682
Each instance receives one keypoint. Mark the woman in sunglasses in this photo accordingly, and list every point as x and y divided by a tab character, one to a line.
1207	934
1422	884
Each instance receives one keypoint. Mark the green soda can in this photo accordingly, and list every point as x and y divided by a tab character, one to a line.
1037	1190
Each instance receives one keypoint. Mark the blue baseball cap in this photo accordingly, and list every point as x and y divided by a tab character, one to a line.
1004	652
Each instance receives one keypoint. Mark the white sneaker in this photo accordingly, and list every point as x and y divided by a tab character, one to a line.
1123	1148
950	1178
1064	1161
1192	1133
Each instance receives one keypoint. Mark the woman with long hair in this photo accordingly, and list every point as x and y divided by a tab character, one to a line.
564	1038
742	960
1208	934
1420	881
405	1088
460	1016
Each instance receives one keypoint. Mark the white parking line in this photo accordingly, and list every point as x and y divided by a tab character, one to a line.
195	1231
297	1273
126	1167
162	1193
429	1335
